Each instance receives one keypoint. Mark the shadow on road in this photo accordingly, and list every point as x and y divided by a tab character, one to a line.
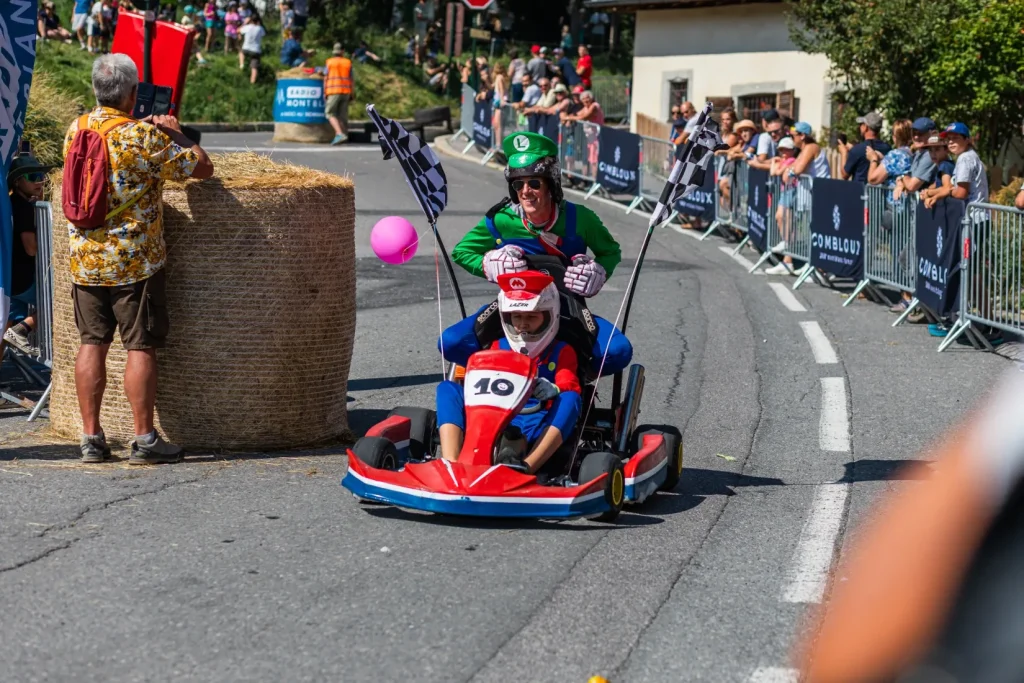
392	382
883	470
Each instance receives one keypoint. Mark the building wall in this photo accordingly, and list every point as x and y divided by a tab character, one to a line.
724	51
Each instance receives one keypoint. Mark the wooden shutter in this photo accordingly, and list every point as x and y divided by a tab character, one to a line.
785	104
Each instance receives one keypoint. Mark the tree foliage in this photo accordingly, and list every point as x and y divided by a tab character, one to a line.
959	60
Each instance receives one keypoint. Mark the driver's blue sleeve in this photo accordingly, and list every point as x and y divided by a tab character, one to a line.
620	351
563	415
451	405
458	342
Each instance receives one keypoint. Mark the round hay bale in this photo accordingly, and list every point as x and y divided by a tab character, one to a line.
261	295
285	131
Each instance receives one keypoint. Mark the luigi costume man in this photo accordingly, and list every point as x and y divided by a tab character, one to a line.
536	219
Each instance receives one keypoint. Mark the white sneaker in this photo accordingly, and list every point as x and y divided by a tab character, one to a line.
802	270
779	248
779	269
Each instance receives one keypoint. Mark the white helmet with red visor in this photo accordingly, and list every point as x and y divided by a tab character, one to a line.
529	292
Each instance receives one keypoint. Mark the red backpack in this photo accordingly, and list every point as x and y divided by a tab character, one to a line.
86	170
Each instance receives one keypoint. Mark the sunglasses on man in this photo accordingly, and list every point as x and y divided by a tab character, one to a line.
532	183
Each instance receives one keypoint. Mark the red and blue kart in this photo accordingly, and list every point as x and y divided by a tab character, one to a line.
608	460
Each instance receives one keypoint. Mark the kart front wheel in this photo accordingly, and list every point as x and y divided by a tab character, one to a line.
377	452
673	446
422	430
596	464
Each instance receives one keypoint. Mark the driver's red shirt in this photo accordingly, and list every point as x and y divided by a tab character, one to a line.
564	368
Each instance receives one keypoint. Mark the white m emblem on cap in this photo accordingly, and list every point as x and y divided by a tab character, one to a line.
517	283
521	143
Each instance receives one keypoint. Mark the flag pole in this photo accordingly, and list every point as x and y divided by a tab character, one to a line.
427	211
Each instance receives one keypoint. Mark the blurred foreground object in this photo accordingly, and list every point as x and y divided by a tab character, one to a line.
933	590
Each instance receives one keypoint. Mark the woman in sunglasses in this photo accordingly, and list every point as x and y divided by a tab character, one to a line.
26	180
535	219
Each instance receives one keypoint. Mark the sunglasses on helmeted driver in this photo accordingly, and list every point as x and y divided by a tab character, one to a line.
533	183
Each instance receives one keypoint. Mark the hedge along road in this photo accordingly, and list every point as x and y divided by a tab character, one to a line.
262	568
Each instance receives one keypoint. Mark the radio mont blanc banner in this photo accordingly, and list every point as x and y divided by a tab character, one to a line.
544	124
300	100
757	208
701	202
618	161
837	227
482	114
17	59
938	240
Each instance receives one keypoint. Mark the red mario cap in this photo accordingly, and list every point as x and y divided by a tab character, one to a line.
526	285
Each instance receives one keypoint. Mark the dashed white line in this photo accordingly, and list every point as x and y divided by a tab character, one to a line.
774	674
786	297
822	349
813	558
834	425
739	259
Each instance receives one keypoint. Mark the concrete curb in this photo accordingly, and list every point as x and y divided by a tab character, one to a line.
268	126
443	144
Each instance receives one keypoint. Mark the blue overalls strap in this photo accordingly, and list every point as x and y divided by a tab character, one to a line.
491	228
570	221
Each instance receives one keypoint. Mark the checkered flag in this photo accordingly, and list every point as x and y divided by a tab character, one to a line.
692	161
423	171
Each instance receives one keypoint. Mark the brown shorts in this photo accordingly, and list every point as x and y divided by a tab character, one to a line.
138	310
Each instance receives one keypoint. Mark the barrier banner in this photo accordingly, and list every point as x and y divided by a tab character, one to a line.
300	101
757	207
544	124
837	226
482	115
938	239
701	202
618	161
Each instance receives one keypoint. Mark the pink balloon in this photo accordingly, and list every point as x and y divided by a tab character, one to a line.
394	240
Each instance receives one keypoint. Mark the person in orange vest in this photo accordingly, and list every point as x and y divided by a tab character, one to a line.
338	87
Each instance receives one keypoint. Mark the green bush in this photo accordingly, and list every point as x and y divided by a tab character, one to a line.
50	112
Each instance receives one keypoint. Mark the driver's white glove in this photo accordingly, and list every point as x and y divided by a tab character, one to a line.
585	276
545	390
508	259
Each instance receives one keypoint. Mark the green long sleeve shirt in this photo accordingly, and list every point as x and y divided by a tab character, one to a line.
469	252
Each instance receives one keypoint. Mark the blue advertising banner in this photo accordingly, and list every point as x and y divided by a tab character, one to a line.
938	240
17	59
837	227
482	130
618	161
758	208
545	124
300	100
701	202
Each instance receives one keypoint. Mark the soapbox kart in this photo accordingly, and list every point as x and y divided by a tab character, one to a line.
617	462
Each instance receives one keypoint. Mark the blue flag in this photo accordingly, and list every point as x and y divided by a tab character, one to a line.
17	57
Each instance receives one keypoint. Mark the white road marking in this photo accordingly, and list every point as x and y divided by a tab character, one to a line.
747	265
303	150
834	425
786	297
822	349
695	234
813	558
774	674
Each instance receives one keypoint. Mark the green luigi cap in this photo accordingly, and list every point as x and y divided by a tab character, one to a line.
526	149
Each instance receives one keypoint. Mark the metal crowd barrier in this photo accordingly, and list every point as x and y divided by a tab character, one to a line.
578	149
991	279
466	114
610	93
656	160
44	296
890	250
796	201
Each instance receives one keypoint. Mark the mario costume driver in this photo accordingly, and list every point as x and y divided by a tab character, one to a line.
529	309
536	219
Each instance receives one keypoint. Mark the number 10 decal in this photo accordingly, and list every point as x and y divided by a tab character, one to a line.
499	387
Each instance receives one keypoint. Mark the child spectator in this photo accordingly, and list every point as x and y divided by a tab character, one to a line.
210	22
232	21
26	180
287	16
969	180
942	185
95	26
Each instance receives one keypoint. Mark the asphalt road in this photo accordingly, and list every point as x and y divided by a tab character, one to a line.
261	568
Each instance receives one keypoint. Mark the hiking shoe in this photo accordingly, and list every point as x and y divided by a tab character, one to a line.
338	139
94	448
17	337
155	452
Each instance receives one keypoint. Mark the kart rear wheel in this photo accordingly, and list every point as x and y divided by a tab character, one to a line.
422	430
377	452
596	464
673	445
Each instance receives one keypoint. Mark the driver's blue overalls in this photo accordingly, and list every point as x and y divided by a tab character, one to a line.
459	341
562	413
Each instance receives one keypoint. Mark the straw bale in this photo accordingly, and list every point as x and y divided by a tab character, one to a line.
262	301
302	132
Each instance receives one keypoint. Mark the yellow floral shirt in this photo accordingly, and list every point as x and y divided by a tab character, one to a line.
130	247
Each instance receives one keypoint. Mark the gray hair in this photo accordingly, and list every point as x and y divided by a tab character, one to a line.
587	93
113	78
